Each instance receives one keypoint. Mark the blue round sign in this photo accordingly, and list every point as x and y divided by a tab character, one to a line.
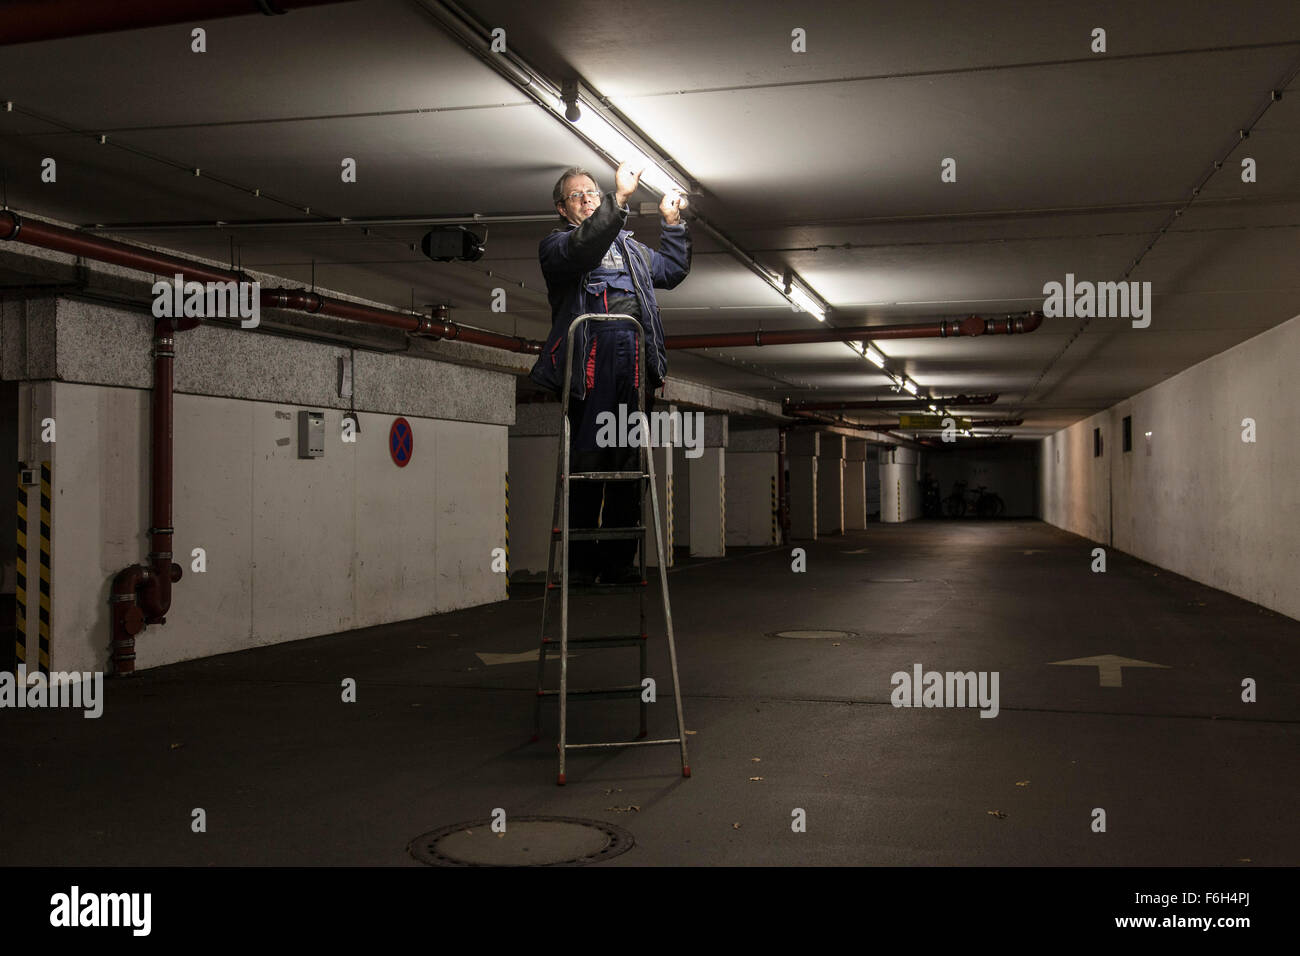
401	442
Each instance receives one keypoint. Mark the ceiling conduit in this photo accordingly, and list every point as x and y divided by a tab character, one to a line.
48	236
945	328
894	404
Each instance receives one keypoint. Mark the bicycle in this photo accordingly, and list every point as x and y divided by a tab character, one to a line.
985	503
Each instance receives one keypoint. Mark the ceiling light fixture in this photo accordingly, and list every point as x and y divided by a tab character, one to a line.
874	357
585	116
792	288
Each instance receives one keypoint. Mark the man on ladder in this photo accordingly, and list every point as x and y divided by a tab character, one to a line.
592	264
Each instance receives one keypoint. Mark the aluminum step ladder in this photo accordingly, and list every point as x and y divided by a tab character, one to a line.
558	585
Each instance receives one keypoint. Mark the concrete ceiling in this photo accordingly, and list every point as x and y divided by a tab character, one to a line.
826	161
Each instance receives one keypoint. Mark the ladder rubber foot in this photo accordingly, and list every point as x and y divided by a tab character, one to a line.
559	782
686	771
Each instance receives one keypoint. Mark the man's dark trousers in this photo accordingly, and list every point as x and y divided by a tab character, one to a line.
612	375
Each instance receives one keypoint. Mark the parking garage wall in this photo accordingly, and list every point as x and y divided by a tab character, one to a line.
1193	495
292	547
1009	471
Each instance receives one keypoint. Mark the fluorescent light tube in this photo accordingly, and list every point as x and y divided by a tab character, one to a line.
802	299
874	357
600	131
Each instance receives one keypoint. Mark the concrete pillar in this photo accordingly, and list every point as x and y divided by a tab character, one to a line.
533	444
873	482
855	484
751	487
663	469
709	491
681	497
900	495
830	485
801	459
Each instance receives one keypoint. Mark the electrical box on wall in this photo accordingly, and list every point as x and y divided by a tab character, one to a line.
311	434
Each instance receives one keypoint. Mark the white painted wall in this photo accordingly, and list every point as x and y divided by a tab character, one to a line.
295	548
855	495
830	494
708	506
532	501
750	478
873	483
1196	499
681	497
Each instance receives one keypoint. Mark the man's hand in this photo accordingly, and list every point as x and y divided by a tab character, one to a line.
671	206
626	179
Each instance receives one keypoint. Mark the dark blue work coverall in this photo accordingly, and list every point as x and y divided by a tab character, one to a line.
598	267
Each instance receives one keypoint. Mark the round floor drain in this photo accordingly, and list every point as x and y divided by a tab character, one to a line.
527	841
815	635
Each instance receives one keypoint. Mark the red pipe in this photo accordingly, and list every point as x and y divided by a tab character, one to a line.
945	328
49	236
894	404
25	21
59	239
143	594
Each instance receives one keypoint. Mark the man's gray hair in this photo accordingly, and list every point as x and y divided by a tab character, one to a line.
558	193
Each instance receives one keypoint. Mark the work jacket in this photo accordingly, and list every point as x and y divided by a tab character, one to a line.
568	256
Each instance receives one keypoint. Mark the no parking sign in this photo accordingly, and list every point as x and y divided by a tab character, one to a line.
401	442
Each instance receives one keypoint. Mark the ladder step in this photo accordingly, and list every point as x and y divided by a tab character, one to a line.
623	743
611	534
608	475
597	693
600	640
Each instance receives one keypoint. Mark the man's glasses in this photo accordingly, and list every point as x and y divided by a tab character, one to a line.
577	194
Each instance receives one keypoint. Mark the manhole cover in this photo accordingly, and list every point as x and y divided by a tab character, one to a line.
815	635
527	841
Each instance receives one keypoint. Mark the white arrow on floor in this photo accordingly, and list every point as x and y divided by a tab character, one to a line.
1109	667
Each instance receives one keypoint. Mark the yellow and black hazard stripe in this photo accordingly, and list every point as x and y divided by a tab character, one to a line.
47	506
722	515
20	596
507	534
668	545
775	539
